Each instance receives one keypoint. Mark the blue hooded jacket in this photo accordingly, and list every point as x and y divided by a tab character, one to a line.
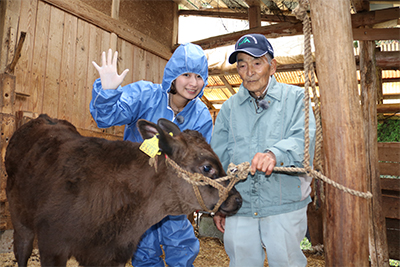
146	100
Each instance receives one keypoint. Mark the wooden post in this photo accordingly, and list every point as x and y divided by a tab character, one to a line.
7	91
346	216
378	247
254	15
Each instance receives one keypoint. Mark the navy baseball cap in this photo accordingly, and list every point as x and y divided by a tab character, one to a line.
255	45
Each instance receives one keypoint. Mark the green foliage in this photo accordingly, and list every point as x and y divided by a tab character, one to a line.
394	263
305	244
389	131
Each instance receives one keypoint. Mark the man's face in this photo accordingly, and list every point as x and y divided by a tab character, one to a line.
255	72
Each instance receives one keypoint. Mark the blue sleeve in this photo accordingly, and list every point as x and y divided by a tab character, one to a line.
123	105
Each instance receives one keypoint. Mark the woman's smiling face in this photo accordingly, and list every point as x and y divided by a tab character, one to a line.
255	72
189	85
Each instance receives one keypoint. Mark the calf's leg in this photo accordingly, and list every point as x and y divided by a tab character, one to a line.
23	243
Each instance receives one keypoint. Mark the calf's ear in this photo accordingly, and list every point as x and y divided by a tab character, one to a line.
168	126
146	128
166	141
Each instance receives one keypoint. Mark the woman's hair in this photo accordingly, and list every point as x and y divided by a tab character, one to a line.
172	89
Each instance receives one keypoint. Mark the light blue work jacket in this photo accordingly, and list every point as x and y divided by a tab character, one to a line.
240	132
147	100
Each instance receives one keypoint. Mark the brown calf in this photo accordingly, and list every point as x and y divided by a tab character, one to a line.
92	198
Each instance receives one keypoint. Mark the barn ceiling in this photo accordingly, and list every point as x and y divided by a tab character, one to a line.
223	80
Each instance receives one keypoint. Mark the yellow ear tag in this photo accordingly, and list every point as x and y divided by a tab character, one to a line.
150	146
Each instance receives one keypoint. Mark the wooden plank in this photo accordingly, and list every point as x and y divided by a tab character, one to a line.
23	69
387	168
151	67
102	44
68	57
389	151
125	60
39	56
139	64
99	42
94	53
87	13
389	184
53	63
391	206
82	64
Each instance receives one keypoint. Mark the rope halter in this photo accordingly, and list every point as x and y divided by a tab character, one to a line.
235	174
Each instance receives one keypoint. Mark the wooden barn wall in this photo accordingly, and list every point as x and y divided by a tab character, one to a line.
54	73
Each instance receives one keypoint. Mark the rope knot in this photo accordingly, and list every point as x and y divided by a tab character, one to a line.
240	171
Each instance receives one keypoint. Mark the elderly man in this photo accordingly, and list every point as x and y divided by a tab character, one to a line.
264	124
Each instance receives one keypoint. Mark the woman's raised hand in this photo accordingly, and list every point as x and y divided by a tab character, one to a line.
108	71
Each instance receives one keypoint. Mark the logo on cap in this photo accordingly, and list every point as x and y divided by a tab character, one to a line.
245	40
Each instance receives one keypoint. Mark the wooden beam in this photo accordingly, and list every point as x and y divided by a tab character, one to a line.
386	60
90	14
364	34
371	18
254	13
115	9
207	102
228	86
175	25
388	108
270	31
230	14
343	135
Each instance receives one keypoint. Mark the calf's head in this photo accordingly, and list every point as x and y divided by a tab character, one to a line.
190	151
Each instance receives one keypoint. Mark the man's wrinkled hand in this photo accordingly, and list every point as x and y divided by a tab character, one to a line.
108	71
264	162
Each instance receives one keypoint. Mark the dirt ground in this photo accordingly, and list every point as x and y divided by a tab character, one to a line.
212	254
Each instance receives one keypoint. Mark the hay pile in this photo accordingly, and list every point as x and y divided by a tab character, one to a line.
212	254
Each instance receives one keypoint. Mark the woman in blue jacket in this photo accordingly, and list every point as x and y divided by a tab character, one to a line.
177	98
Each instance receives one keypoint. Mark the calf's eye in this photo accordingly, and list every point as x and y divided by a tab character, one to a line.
207	168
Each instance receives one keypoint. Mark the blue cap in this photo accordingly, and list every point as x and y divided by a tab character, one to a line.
255	45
